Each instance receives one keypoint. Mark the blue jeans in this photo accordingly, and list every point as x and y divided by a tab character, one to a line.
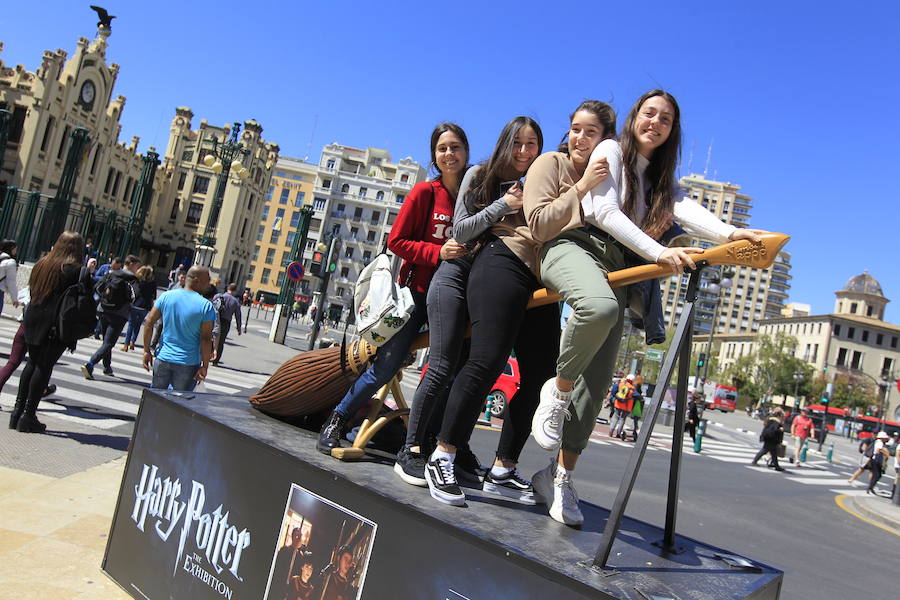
135	319
111	326
387	362
180	377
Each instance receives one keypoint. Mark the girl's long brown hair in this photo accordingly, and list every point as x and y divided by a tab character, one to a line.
485	187
47	272
660	172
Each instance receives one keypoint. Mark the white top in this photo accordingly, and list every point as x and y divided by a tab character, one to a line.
602	206
8	268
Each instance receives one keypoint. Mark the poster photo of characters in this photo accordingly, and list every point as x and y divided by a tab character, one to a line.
322	551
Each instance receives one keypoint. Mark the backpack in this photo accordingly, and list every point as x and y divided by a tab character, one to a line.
219	304
625	391
869	449
76	313
115	291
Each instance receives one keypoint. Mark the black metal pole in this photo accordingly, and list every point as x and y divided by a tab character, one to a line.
614	521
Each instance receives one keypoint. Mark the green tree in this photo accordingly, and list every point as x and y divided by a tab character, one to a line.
852	392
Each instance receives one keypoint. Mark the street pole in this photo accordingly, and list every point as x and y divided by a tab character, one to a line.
278	330
323	290
140	204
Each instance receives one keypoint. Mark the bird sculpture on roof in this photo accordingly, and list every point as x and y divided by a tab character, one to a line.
105	17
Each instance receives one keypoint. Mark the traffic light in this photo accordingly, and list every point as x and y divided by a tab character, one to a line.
315	266
333	251
701	359
824	397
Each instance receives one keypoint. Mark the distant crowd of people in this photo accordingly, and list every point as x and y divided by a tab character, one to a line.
69	297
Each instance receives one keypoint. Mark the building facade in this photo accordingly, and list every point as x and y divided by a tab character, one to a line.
356	195
853	341
754	295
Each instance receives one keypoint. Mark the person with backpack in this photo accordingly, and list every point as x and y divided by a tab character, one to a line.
771	437
623	401
49	324
117	290
8	268
877	460
865	449
802	428
228	307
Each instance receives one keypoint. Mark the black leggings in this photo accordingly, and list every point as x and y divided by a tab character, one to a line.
771	450
37	371
500	286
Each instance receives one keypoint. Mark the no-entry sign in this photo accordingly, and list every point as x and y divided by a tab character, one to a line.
295	271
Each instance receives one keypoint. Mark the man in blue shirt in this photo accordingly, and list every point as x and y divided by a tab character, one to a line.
186	344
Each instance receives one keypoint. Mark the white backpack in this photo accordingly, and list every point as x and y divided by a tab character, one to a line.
382	306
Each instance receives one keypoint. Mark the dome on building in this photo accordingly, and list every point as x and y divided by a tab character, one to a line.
863	284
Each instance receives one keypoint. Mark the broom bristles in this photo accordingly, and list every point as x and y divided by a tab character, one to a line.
307	383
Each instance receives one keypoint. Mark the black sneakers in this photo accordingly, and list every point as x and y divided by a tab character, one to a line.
410	466
467	468
330	436
510	486
442	482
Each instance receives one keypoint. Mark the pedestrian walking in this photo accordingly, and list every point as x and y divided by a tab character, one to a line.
146	294
179	282
878	460
865	449
8	268
49	279
186	341
228	307
692	418
420	236
802	429
771	436
114	264
590	207
176	273
623	402
117	290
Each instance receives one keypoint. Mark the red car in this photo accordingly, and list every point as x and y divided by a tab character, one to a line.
504	388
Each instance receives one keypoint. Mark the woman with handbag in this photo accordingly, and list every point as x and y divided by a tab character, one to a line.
421	237
49	278
483	201
502	279
587	222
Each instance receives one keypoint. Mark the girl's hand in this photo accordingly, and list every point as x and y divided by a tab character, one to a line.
596	171
452	249
678	258
746	234
514	197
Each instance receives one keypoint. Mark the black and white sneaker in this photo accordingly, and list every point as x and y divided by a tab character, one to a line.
467	467
442	482
512	485
410	466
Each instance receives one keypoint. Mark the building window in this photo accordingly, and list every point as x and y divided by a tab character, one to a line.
295	219
265	276
181	179
376	217
280	280
201	185
348	253
367	256
345	188
869	311
195	209
815	352
354	233
887	367
319	204
853	307
285	192
400	198
260	232
363	191
62	142
310	244
270	256
856	361
379	195
865	335
265	213
392	216
47	131
837	329
404	178
842	357
279	214
255	253
851	332
290	238
345	271
893	341
298	201
370	236
269	193
276	234
340	292
250	271
879	339
285	258
326	183
97	154
357	213
329	164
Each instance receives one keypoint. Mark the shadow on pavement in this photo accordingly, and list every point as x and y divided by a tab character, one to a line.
114	442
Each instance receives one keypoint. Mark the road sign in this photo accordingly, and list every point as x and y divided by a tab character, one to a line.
653	354
295	271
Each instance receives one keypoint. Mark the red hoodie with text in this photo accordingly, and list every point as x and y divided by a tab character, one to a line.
423	225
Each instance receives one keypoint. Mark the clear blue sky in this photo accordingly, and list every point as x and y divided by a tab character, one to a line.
799	98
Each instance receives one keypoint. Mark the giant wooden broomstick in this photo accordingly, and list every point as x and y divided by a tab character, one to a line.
316	380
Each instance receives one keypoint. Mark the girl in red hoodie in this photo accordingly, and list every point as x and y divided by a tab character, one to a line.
421	236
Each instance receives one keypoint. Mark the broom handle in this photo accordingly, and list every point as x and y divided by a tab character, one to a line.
740	253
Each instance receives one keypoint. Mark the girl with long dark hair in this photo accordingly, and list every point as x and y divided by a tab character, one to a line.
481	203
421	237
50	276
587	224
502	278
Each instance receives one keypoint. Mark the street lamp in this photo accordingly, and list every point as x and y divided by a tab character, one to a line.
719	281
798	377
224	158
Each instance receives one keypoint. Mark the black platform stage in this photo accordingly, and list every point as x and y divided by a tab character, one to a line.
213	489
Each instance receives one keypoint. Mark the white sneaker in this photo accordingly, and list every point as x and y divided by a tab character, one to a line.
564	507
547	423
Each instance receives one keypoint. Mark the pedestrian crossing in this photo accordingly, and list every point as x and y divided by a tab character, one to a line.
106	402
817	473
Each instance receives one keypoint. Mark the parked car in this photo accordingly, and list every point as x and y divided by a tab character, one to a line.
504	388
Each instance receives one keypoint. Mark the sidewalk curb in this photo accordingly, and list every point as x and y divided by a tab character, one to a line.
864	506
